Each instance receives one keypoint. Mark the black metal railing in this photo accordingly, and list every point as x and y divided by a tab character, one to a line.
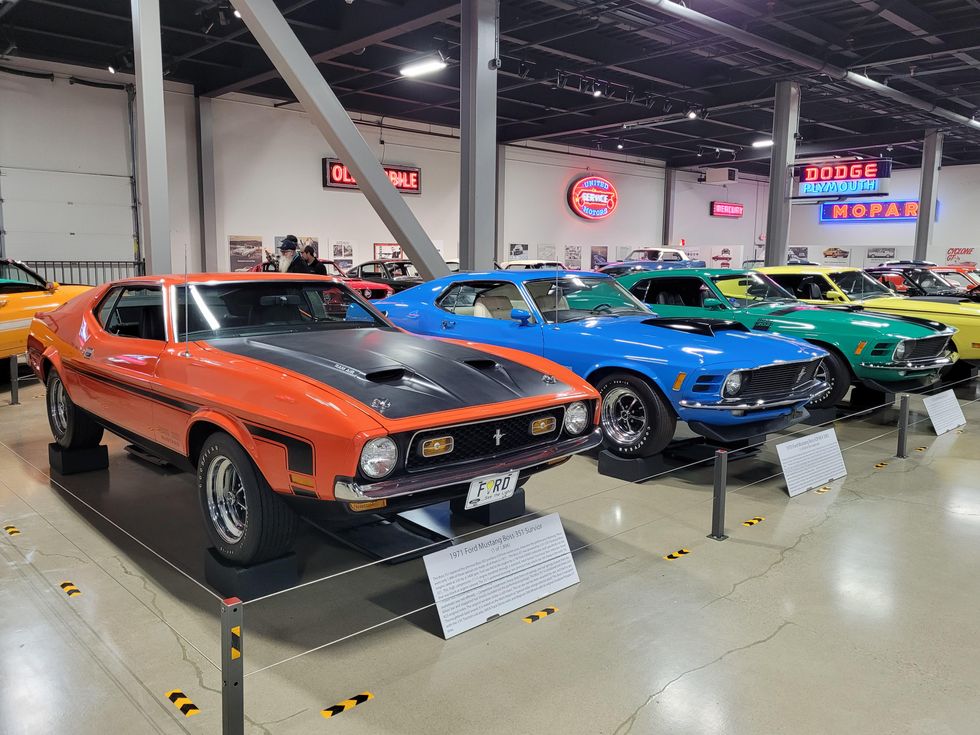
86	272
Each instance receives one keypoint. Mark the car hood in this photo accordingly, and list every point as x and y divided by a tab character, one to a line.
923	306
395	374
715	342
808	322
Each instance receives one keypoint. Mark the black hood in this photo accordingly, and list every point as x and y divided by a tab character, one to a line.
396	374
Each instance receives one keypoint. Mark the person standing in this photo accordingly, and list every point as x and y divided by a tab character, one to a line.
291	262
313	262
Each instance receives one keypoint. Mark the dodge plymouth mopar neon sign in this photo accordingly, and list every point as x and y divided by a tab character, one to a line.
407	179
843	178
592	197
878	211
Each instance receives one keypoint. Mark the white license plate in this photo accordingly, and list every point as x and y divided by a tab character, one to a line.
490	489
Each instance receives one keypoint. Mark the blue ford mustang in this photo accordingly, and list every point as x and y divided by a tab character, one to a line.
727	383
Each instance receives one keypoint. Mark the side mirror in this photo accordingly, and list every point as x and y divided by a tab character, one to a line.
835	296
713	305
522	316
384	313
52	286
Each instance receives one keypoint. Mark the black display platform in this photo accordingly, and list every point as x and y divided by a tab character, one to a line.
492	513
251	582
393	540
676	454
862	398
72	461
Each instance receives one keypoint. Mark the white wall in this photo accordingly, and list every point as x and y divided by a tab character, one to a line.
957	226
706	236
536	210
65	167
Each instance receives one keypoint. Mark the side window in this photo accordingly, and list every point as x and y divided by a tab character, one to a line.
671	256
371	269
483	299
138	312
640	289
804	286
105	307
674	292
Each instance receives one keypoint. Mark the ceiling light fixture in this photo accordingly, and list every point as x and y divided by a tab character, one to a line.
619	146
237	14
692	113
763	143
421	67
111	68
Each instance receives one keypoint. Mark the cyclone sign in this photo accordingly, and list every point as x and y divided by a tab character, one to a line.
592	197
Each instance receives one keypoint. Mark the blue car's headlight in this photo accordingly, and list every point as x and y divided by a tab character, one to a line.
733	385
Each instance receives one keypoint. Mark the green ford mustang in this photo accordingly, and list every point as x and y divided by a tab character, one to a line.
884	352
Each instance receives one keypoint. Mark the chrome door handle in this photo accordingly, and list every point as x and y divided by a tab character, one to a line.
448	324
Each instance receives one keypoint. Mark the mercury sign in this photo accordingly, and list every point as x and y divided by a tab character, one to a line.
879	211
727	209
844	178
407	179
592	197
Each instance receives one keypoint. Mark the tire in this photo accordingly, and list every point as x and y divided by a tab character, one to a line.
834	370
637	421
71	427
258	525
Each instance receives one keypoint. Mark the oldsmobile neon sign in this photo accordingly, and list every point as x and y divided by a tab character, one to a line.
593	197
878	211
407	179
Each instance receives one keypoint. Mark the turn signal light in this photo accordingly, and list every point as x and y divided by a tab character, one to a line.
680	380
860	348
438	446
300	480
368	505
543	425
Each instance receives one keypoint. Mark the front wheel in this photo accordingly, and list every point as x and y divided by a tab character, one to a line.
71	427
834	372
246	521
636	419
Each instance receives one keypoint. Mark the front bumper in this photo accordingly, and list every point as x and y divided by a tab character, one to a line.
908	366
803	394
348	489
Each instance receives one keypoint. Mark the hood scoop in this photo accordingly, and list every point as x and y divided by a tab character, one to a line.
478	363
703	327
389	375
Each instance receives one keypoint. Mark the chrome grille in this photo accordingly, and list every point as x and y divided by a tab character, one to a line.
921	349
775	381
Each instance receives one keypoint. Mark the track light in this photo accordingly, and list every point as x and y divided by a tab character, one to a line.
428	65
692	113
597	92
111	68
766	143
619	146
237	14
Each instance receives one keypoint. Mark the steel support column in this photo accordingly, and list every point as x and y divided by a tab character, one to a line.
205	184
501	201
478	134
785	126
932	157
670	182
152	136
267	25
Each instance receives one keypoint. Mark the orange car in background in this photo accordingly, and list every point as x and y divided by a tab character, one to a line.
285	390
966	277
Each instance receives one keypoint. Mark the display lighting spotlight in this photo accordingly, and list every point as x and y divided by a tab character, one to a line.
111	69
596	89
619	146
419	68
237	14
762	143
692	113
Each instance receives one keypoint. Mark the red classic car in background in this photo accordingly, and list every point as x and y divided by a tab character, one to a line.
367	289
290	390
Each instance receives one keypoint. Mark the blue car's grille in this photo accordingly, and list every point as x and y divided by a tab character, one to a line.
777	380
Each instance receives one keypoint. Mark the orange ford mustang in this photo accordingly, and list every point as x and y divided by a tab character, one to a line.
281	389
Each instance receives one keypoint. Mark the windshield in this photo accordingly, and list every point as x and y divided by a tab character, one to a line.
15	278
570	298
403	269
333	269
959	279
859	285
248	309
931	283
750	289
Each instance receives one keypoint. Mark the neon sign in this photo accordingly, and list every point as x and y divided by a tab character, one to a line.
845	171
840	188
727	209
407	179
879	211
593	197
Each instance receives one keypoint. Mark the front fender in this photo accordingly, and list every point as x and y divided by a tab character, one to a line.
229	424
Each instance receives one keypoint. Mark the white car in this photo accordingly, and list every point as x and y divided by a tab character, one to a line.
656	254
527	265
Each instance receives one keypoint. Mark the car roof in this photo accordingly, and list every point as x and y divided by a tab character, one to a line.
522	275
177	279
825	269
681	272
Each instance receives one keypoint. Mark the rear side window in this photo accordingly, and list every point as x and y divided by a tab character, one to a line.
134	311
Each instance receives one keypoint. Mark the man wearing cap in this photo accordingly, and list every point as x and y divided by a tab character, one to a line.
290	261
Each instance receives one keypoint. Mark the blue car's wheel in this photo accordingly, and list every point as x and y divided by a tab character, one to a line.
636	419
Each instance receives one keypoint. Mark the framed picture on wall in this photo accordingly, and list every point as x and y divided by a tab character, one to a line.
573	256
342	249
599	256
387	251
244	252
517	251
546	252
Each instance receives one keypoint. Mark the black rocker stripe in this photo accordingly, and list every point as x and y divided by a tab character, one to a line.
144	392
299	453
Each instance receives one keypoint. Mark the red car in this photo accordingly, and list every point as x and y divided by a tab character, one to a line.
367	289
285	391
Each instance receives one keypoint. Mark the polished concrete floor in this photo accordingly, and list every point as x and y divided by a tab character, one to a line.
849	610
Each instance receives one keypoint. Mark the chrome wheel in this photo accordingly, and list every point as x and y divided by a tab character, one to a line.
226	499
58	407
624	417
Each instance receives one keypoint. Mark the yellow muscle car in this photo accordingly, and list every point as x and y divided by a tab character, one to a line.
23	293
853	288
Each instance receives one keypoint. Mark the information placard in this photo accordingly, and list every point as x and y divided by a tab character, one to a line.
945	412
475	582
811	461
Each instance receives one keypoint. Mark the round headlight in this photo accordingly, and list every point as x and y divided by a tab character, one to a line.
378	458
733	384
901	350
576	418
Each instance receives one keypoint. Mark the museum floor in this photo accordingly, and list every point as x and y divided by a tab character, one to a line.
849	610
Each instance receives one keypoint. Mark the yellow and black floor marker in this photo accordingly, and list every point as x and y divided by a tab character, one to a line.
183	703
921	449
824	489
754	521
542	614
11	530
677	554
236	642
70	589
347	704
881	465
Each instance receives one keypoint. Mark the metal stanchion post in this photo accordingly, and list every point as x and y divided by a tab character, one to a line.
903	427
721	488
232	668
14	384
